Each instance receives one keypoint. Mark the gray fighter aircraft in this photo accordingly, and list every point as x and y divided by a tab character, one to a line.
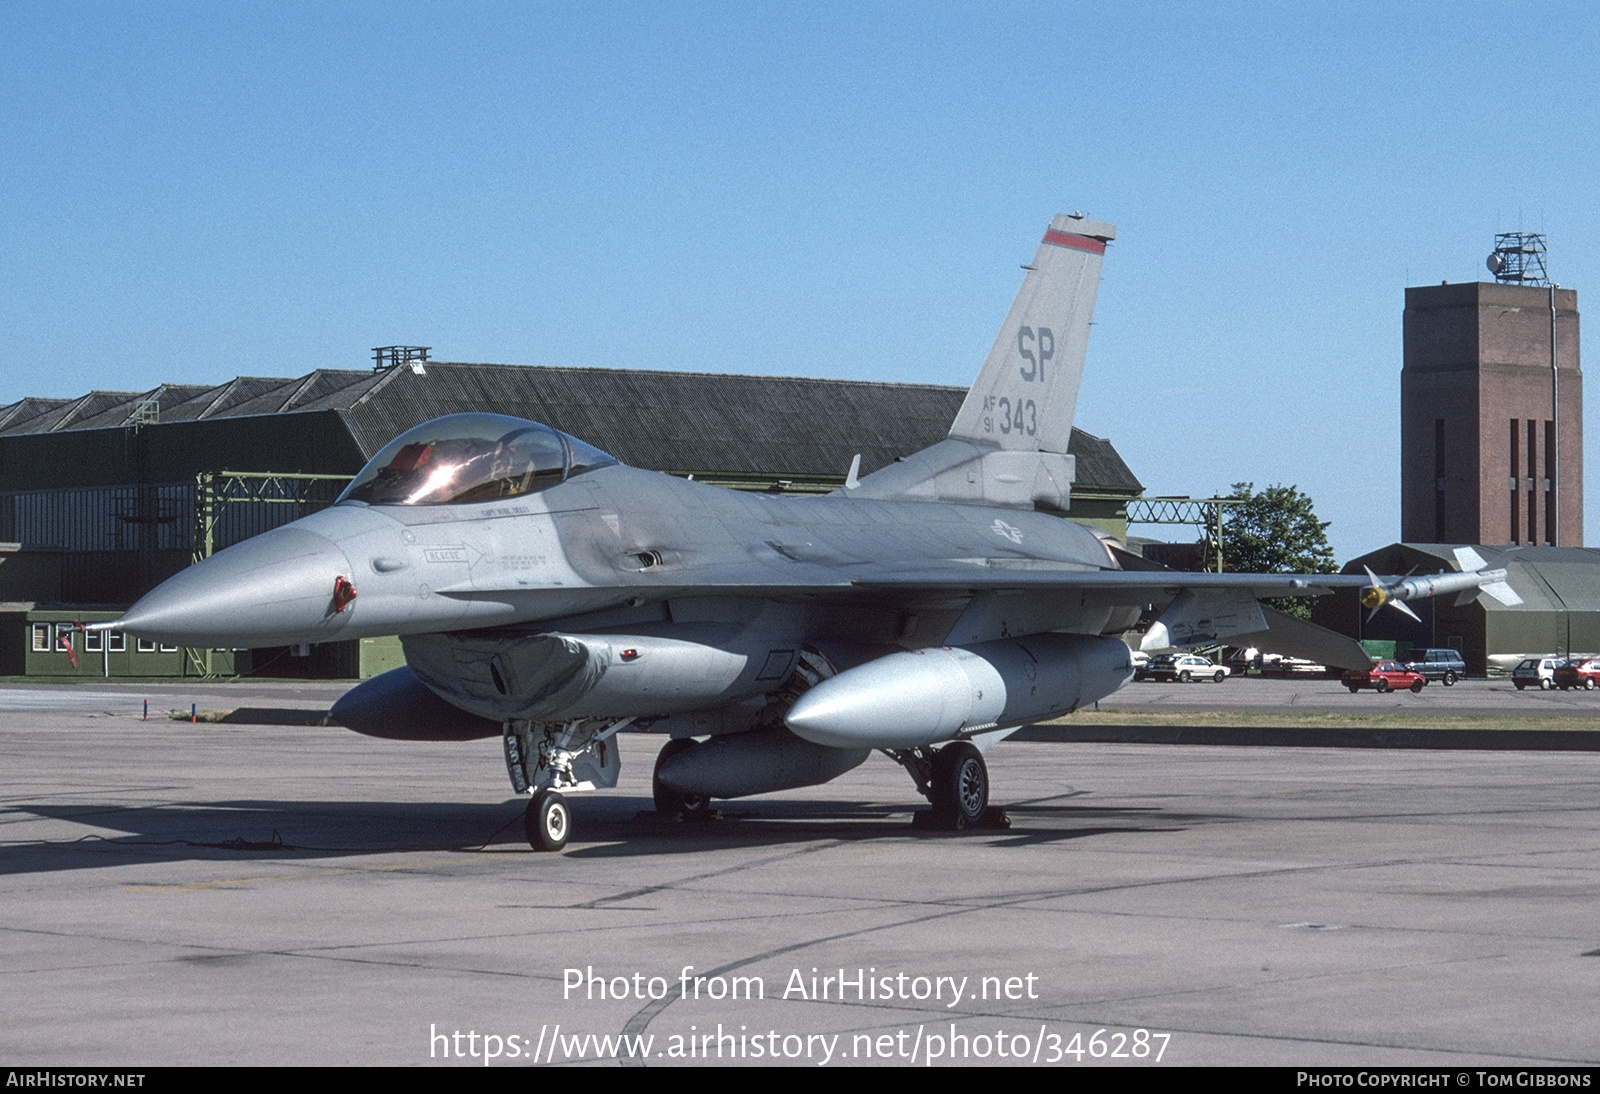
548	594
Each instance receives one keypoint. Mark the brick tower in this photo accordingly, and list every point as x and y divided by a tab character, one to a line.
1478	429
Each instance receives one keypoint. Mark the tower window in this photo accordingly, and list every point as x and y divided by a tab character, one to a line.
1516	486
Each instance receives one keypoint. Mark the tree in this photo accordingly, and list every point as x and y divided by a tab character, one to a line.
1273	532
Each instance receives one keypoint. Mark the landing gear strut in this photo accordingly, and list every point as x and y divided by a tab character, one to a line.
955	780
546	757
548	821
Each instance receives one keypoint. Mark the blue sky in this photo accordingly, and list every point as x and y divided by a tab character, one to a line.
190	192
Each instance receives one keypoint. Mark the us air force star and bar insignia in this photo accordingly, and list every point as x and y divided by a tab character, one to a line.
1006	531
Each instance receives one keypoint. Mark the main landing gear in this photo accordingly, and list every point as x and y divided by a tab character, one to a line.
955	780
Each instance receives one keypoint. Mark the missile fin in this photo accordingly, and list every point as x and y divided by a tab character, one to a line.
1401	605
1502	592
1469	560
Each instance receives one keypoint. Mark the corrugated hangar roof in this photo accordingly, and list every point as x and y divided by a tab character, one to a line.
672	421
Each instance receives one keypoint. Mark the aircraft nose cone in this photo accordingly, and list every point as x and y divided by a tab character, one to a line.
275	589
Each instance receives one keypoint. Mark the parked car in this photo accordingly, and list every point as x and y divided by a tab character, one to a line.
1443	665
1275	664
1536	671
1141	665
1384	676
1185	668
1583	673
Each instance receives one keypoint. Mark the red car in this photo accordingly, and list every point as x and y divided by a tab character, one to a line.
1385	676
1583	674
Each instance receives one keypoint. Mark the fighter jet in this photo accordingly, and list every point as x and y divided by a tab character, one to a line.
549	595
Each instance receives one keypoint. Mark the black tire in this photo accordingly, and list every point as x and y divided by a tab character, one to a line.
548	822
1588	683
1450	679
1545	684
960	784
1417	686
1520	686
669	801
1354	688
1219	676
1380	686
1184	677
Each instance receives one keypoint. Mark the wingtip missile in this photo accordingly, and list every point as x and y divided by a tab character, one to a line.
1378	594
1395	592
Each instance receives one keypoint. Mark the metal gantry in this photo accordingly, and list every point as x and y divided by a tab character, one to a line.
215	489
1203	513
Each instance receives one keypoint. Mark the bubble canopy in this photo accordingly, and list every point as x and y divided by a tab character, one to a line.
465	458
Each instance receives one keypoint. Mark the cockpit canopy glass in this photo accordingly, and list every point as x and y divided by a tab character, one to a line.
464	458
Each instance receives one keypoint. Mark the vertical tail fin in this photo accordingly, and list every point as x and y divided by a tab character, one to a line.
1024	397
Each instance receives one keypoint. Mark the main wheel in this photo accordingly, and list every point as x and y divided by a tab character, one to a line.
960	783
1545	684
548	822
668	800
1218	676
1353	688
1588	683
1381	686
1416	686
1184	677
1450	679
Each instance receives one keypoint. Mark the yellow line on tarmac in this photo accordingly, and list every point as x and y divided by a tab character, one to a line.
223	883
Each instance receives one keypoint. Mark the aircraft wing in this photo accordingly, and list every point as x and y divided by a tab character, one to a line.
994	576
981	576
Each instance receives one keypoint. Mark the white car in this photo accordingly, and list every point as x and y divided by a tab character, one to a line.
1185	668
1540	671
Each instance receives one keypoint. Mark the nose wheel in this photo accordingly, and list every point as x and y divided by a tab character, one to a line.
548	822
